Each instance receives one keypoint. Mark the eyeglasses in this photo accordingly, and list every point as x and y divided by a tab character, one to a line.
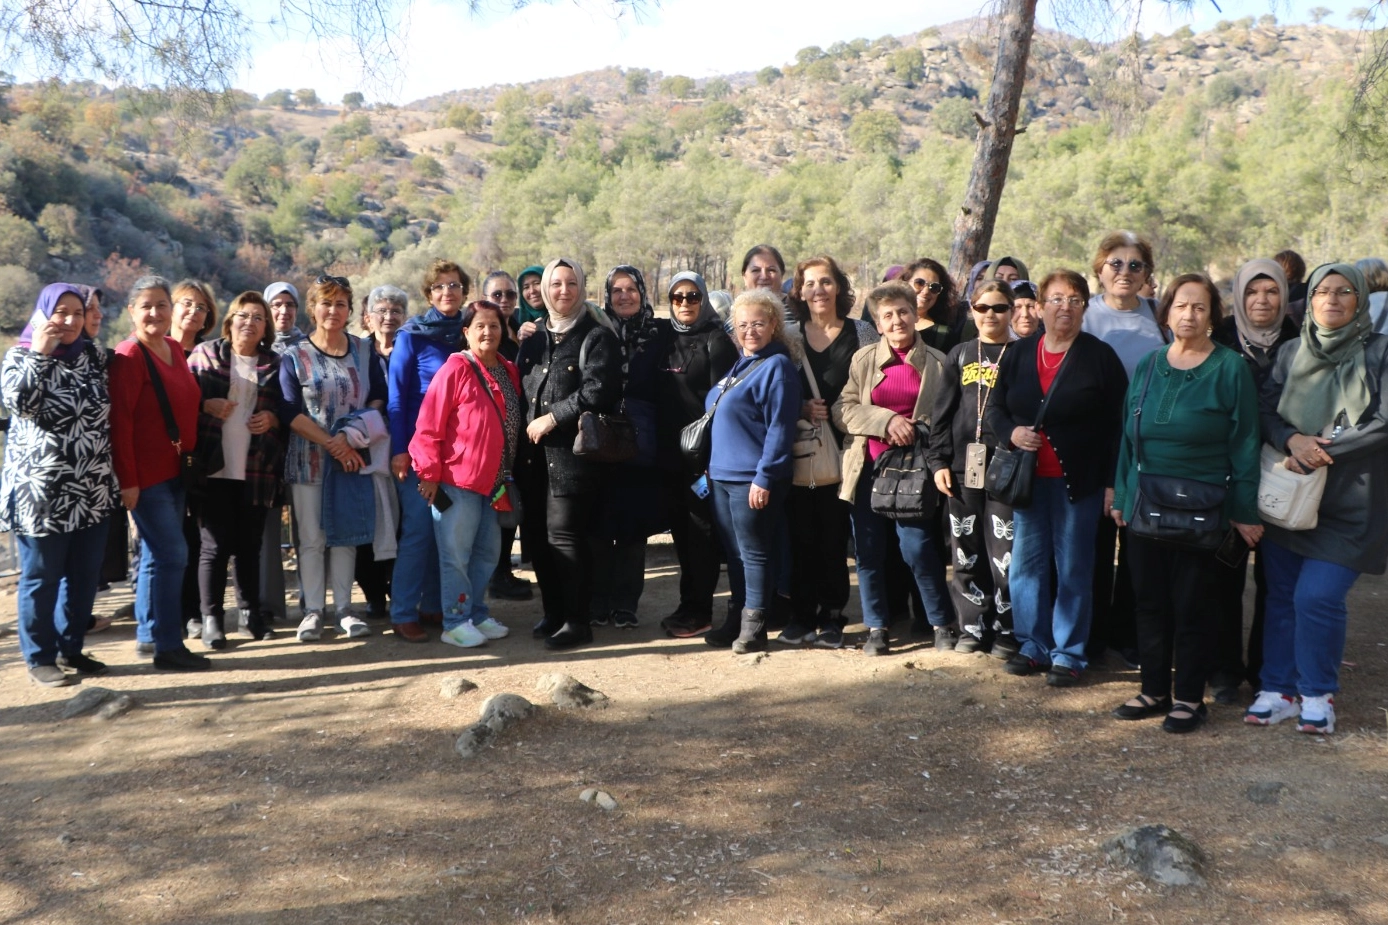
504	295
1344	292
746	326
446	287
686	298
284	304
999	309
247	318
387	312
1059	301
927	285
340	281
197	307
1134	266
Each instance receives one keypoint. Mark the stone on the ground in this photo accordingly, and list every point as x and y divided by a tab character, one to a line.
566	691
86	700
753	658
1265	792
456	686
604	799
589	795
118	705
499	712
1160	854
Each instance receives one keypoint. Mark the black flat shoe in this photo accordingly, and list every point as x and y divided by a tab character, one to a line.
1142	707
181	660
1184	718
569	636
546	627
82	664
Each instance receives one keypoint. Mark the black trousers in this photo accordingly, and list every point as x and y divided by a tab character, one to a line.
981	550
1176	616
503	562
819	530
696	543
229	525
191	593
373	577
560	552
1230	663
1113	626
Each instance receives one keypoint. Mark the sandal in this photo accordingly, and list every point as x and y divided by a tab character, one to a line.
1142	707
1185	718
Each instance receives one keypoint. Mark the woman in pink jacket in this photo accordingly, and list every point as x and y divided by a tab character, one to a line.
462	450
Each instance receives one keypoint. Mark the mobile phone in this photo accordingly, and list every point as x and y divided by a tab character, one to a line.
700	486
1233	552
975	465
441	500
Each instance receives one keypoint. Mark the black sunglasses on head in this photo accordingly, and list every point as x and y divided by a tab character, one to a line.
335	280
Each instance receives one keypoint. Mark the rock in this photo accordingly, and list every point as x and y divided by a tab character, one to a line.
1265	793
501	711
66	838
378	225
119	705
1160	854
566	691
87	700
589	795
473	739
604	799
455	687
1382	840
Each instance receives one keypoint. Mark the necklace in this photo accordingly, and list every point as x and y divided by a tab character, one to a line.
1042	357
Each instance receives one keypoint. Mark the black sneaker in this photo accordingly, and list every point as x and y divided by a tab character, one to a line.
946	638
599	619
624	619
968	642
1023	666
181	660
829	638
877	643
798	635
510	587
82	664
1004	646
1060	676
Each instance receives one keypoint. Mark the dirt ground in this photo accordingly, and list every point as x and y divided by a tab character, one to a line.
318	783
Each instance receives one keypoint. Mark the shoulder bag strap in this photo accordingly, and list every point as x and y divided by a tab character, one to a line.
486	386
809	370
1137	413
157	383
729	382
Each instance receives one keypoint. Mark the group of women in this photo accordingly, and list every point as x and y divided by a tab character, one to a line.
410	456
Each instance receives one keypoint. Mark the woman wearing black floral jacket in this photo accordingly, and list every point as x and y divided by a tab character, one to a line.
58	485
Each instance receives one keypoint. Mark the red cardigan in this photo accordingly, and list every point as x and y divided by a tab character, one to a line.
139	441
459	436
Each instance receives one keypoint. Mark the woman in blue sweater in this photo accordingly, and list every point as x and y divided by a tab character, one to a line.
750	463
421	348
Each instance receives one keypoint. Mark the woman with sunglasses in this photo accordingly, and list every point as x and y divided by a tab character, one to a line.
699	356
1127	321
240	443
935	298
501	290
819	519
423	345
961	444
324	379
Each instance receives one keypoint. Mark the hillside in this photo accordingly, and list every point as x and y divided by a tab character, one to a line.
859	149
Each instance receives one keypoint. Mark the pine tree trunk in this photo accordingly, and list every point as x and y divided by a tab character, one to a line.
973	226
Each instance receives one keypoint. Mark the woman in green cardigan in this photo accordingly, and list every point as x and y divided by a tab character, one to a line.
1199	417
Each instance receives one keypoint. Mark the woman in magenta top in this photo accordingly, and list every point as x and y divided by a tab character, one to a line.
148	466
891	389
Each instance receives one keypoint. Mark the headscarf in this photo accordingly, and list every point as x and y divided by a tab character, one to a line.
974	274
1024	289
524	310
640	327
43	310
707	311
1014	263
558	324
1329	374
1264	337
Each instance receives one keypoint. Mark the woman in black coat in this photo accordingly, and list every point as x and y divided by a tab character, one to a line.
571	364
698	356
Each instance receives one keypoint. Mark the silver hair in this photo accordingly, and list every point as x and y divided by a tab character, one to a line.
392	294
151	281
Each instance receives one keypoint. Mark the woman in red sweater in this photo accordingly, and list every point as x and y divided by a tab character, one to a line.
154	419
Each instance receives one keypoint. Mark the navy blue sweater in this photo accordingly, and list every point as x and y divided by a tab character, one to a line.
754	427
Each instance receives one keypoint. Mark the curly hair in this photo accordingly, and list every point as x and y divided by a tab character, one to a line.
843	302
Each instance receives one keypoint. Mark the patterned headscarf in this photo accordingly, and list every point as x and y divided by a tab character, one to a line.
638	328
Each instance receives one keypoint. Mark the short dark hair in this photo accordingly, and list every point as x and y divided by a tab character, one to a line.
894	291
943	310
437	269
471	310
843	303
994	285
1113	241
769	251
1168	296
1292	264
1075	281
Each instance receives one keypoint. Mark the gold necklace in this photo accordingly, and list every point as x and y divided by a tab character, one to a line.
1047	366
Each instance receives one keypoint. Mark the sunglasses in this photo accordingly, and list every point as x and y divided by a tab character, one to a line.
340	281
1002	309
686	298
919	284
1134	266
504	295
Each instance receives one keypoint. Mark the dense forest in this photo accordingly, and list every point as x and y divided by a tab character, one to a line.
1217	146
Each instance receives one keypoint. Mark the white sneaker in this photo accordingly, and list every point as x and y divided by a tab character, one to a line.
311	626
492	629
353	626
1317	715
464	636
1270	708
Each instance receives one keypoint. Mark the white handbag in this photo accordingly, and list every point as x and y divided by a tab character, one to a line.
816	453
1288	499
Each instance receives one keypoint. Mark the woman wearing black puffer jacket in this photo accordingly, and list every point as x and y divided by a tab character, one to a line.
571	364
700	355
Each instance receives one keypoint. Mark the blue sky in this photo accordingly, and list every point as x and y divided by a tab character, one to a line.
449	48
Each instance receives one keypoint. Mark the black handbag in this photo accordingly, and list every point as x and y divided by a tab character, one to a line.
902	488
1012	472
696	437
605	438
1170	508
193	468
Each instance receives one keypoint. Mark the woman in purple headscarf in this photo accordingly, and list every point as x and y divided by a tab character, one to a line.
58	485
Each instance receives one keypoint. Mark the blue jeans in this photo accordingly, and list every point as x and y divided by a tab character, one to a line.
751	540
159	588
414	586
58	575
871	536
1052	529
1304	636
469	542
